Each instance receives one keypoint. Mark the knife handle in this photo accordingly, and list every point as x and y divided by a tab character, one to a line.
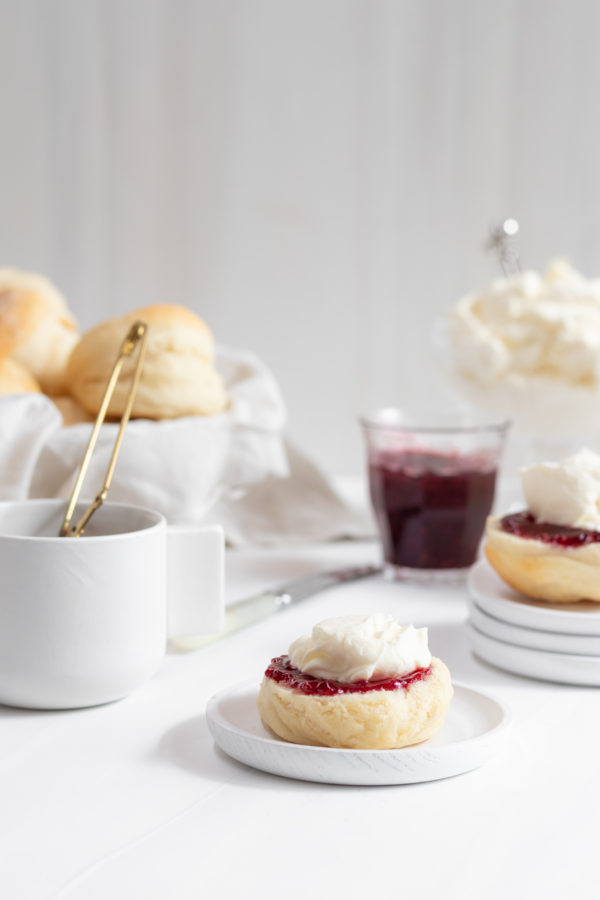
237	615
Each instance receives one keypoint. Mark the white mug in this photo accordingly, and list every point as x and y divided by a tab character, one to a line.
85	620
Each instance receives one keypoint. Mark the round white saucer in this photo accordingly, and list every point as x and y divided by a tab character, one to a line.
474	730
497	599
563	668
579	644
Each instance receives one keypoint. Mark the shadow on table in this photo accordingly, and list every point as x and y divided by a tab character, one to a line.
189	746
26	712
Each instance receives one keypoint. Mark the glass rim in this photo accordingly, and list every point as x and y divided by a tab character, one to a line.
382	420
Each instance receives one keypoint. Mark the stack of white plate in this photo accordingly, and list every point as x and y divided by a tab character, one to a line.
551	641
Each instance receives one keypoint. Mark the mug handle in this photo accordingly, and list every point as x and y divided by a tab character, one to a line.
195	579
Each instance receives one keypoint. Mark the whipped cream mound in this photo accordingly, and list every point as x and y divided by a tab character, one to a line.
565	492
357	648
529	346
531	324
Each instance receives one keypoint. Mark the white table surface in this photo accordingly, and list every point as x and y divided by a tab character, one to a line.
132	800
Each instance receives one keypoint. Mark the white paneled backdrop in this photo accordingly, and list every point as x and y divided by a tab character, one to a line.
314	177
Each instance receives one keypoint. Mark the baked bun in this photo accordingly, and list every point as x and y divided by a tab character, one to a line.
178	377
15	379
373	720
544	571
36	328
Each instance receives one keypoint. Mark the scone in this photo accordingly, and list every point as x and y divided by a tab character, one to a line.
361	682
15	379
36	328
178	377
551	550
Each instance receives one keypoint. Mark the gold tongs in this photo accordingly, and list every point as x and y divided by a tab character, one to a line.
136	335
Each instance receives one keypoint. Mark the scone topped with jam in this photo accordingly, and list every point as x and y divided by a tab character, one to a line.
362	682
551	550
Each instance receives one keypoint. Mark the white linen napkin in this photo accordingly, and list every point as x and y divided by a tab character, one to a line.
234	468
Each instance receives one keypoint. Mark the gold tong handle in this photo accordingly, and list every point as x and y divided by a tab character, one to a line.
136	335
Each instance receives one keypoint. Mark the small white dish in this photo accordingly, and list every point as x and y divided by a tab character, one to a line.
473	732
562	668
497	599
578	644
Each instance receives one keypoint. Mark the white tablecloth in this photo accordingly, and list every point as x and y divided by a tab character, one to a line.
132	801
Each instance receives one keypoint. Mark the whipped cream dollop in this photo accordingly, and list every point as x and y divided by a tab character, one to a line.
531	324
528	347
357	648
565	492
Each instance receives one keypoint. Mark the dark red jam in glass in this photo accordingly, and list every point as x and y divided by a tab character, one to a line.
282	671
431	507
524	525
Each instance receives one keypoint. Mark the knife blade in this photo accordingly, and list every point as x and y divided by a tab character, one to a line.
260	606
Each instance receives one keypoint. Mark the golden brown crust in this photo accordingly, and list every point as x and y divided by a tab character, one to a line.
543	571
376	720
21	313
171	315
178	377
36	327
15	379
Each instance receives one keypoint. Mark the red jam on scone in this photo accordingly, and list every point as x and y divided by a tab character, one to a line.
362	682
551	550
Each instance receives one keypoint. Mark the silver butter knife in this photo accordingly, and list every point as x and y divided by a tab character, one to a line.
260	606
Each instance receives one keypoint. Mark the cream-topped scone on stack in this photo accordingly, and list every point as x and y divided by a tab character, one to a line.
551	550
362	682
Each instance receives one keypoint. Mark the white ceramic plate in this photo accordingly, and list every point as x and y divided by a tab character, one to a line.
497	599
579	644
563	668
474	730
